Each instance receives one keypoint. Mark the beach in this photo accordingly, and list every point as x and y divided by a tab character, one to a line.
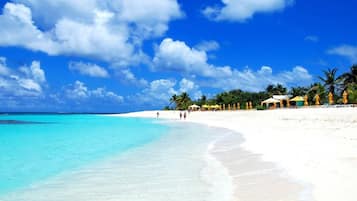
296	154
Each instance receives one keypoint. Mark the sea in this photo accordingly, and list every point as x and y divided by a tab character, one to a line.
100	157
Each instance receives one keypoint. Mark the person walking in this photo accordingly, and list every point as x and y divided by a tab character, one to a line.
180	115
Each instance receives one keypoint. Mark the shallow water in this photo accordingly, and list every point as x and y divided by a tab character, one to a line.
173	166
30	153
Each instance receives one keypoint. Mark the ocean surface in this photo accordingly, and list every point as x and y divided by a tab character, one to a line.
93	157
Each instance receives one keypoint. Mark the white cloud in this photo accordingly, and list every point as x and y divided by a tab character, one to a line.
241	10
312	38
207	46
25	81
250	80
177	56
347	51
88	69
157	93
80	92
108	30
34	72
191	88
4	70
128	77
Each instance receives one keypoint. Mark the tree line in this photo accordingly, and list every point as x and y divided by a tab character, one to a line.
330	82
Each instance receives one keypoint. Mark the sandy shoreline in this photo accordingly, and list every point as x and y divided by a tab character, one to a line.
317	146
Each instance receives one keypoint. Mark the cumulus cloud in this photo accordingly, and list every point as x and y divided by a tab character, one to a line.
348	51
108	30
128	77
207	46
191	88
241	10
178	57
159	92
26	81
250	80
80	92
88	69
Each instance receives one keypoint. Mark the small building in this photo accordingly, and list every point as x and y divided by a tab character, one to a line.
194	107
270	103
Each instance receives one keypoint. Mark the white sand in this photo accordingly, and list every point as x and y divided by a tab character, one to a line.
316	146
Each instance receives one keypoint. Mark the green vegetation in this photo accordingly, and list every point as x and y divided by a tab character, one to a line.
330	82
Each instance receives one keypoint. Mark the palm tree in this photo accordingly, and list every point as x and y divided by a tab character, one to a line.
349	78
316	89
275	89
202	100
173	99
330	80
183	101
298	91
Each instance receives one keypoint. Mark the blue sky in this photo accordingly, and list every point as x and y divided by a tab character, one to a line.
116	56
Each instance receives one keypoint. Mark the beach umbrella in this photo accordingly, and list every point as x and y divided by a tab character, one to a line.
205	107
299	100
234	106
345	97
247	106
317	99
238	106
250	105
224	106
306	103
229	106
281	103
330	98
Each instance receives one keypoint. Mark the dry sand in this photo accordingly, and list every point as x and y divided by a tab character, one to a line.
315	147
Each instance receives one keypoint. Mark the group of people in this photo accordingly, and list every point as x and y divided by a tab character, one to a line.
184	115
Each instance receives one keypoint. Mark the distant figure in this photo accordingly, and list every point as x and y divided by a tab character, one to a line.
184	115
180	115
157	115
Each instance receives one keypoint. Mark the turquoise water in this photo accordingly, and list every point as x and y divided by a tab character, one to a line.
33	152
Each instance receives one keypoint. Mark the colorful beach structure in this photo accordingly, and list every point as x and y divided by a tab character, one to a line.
275	101
299	101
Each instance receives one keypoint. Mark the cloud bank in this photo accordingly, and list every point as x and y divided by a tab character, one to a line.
347	51
111	31
88	69
242	10
178	57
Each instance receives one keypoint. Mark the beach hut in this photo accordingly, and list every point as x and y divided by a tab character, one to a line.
299	100
283	99
194	107
270	102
